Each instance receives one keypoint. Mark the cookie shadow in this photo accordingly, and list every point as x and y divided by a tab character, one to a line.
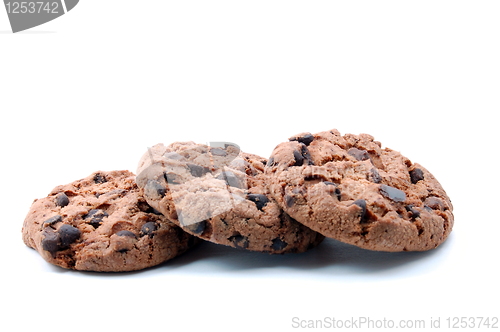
330	258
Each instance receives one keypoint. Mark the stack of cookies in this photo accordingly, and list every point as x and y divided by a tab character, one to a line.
346	187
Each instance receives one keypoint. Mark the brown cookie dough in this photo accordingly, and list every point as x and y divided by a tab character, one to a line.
351	189
102	223
219	194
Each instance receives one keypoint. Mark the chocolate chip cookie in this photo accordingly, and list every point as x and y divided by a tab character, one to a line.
220	195
351	189
102	223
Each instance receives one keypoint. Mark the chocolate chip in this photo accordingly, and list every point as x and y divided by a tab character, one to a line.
172	178
435	203
154	189
358	154
68	234
99	178
278	244
375	176
305	152
52	220
416	175
94	217
125	233
302	157
218	152
62	200
305	139
259	200
144	207
270	162
392	193
362	204
197	170
414	212
149	228
299	159
231	179
315	178
239	241
196	228
289	200
50	241
173	156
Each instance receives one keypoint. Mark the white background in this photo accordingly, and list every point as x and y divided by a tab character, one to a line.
93	89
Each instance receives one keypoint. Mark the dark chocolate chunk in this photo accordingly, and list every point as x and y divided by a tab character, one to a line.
315	178
302	157
358	154
173	156
414	212
289	200
392	193
306	139
299	159
362	204
155	189
278	244
52	220
338	193
416	175
218	152
62	200
197	170
50	241
172	178
144	207
239	241
270	162
94	217
196	228
259	200
125	233
231	179
375	176
435	203
149	228
307	156
99	178
68	234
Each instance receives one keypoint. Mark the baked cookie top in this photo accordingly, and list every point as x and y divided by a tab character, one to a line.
351	189
102	223
220	195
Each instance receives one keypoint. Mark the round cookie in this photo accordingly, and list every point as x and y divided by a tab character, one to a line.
351	189
102	223
220	195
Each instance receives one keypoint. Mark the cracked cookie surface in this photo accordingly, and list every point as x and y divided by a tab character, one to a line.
351	189
102	223
220	195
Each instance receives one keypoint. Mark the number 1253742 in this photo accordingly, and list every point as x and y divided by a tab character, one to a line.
32	7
